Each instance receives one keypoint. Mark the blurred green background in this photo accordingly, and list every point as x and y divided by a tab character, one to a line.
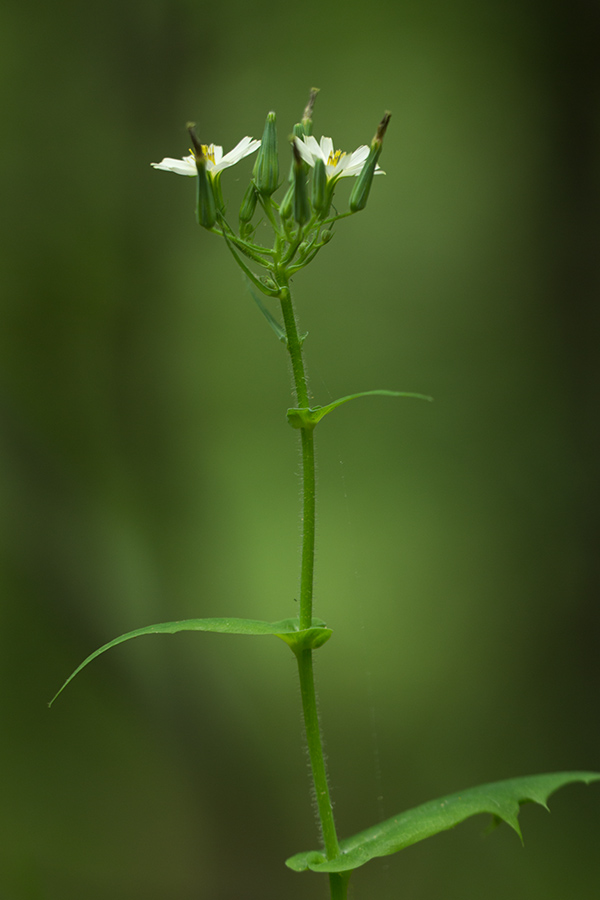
146	477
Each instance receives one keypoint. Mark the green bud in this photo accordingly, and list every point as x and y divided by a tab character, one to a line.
266	168
319	186
248	204
216	186
362	187
268	282
326	236
285	210
206	208
301	204
297	131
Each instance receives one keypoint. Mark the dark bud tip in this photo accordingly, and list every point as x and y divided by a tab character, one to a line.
311	103
198	151
382	128
297	158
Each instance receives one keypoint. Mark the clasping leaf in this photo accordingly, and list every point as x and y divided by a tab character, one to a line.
502	800
308	417
286	629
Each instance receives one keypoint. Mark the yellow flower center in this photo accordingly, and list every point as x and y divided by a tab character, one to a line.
334	157
208	151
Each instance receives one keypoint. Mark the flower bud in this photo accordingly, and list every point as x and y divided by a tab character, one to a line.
248	204
362	187
215	181
285	210
301	204
206	210
268	282
266	168
319	186
297	131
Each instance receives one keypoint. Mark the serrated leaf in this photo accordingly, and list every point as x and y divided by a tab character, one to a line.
501	799
285	629
308	417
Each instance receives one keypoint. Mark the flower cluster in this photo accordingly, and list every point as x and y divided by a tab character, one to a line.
302	220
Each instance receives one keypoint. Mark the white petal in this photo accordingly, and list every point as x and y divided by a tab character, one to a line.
304	151
243	148
217	153
326	147
360	154
185	166
357	160
309	144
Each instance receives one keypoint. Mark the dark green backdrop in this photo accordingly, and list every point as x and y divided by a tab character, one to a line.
148	473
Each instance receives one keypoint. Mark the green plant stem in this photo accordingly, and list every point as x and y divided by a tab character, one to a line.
309	497
308	461
294	344
337	883
315	752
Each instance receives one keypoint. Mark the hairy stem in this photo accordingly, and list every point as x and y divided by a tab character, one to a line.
308	526
294	345
337	883
315	752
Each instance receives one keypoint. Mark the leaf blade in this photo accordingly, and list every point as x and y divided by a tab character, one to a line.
502	799
218	626
273	323
308	417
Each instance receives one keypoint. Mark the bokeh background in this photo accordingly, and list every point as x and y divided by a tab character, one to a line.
148	473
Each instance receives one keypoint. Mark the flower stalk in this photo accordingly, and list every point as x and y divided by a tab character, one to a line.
302	226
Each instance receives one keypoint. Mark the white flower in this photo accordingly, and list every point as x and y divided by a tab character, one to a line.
215	161
338	164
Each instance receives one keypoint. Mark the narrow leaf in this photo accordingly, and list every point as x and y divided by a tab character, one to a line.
271	292
308	417
316	635
501	799
277	328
